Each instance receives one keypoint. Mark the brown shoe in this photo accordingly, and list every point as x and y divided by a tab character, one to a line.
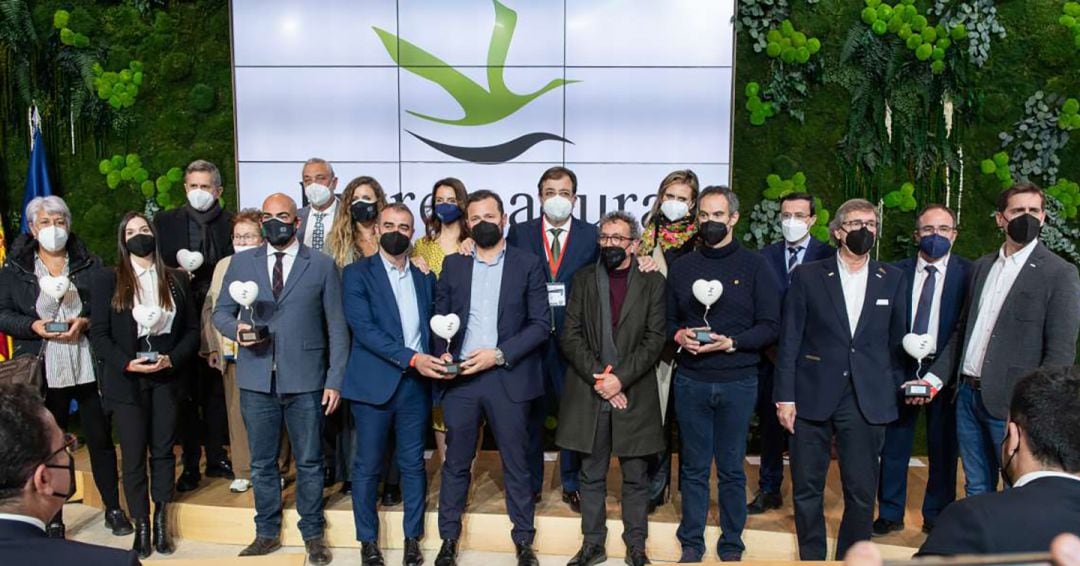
261	546
317	552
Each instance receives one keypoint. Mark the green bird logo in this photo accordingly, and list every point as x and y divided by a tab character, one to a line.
481	106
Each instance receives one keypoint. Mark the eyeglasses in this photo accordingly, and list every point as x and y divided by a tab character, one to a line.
246	238
613	239
795	215
71	445
859	224
943	230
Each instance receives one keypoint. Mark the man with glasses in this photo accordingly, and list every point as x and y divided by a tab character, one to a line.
937	282
317	218
839	371
797	216
37	476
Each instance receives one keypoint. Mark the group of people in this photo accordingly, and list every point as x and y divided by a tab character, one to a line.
330	338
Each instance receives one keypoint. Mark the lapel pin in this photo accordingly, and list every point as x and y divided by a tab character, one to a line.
1032	265
736	281
831	274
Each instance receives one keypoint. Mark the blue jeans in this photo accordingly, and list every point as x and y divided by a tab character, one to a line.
980	436
302	415
714	419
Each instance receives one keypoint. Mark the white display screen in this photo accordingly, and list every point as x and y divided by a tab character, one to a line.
494	93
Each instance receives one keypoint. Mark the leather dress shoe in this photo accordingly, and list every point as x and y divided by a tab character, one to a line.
764	501
55	529
391	495
222	469
447	553
261	546
413	556
689	555
589	555
731	557
525	555
370	555
317	552
573	499
883	527
141	546
189	480
636	556
162	539
118	523
346	487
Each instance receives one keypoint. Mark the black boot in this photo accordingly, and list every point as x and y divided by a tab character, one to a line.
448	553
142	538
162	539
117	522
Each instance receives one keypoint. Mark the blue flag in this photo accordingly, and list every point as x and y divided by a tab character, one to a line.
37	178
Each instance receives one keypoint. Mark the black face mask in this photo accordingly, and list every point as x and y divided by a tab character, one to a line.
363	211
612	257
394	243
278	232
70	467
1023	229
712	232
860	241
141	245
486	234
1005	476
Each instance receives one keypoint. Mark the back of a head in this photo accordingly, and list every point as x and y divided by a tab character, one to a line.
1046	406
24	440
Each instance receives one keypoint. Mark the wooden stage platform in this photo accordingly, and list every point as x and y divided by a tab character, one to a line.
213	514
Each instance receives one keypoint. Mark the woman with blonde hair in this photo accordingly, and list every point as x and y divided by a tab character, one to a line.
353	234
670	229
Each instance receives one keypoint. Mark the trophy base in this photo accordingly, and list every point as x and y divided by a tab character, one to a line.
703	336
151	357
452	368
254	334
57	326
917	391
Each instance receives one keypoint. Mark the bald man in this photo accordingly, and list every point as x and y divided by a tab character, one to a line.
290	367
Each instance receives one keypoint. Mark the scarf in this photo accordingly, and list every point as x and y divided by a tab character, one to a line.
669	235
210	249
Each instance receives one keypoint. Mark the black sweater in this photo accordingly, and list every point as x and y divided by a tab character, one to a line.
748	310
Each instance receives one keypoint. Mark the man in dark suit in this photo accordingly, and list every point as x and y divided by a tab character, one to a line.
201	226
1022	312
317	217
1041	455
292	374
937	280
37	475
388	304
797	214
839	366
565	245
500	299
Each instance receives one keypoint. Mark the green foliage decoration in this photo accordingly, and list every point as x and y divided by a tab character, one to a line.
1037	138
790	45
68	37
998	166
929	43
979	18
1067	193
756	17
119	88
902	199
1070	18
128	170
1069	118
759	109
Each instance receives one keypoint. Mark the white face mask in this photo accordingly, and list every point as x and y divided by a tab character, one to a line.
793	229
318	195
238	249
674	210
557	208
200	199
52	238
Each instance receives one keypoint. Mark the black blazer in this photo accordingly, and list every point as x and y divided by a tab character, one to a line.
23	543
777	256
957	274
1023	519
818	353
172	235
114	337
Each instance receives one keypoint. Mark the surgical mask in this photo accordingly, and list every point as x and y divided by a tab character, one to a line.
859	242
1023	229
794	229
239	249
557	208
674	210
141	245
52	238
200	199
612	256
935	246
713	232
363	211
486	234
394	243
278	232
447	212
318	195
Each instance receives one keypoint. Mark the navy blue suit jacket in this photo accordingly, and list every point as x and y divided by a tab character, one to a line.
23	543
957	273
777	256
581	249
524	319
378	357
818	353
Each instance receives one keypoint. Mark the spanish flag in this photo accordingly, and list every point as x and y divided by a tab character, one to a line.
6	347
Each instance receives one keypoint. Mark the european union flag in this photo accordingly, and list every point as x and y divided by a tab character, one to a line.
37	178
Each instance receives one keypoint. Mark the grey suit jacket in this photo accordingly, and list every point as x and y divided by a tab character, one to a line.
1037	326
309	340
303	214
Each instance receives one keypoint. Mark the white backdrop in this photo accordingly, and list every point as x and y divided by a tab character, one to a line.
652	94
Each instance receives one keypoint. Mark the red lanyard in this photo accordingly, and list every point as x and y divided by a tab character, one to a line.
553	265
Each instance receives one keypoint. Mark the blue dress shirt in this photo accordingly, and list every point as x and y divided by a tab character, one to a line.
482	328
401	282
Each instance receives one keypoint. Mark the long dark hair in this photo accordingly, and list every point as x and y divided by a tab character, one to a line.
434	226
126	282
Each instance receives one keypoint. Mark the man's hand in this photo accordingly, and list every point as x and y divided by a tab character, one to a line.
607	385
141	365
646	263
478	361
421	264
720	343
213	359
919	400
331	398
785	412
467	247
76	327
240	327
685	338
619	401
429	366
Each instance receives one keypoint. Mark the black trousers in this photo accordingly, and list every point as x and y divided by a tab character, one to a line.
97	427
204	417
859	444
635	490
148	426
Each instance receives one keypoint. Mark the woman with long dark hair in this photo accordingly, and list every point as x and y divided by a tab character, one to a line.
145	328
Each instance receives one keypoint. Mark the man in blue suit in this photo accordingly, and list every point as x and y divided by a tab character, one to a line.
565	245
292	375
388	304
500	298
840	367
797	215
936	284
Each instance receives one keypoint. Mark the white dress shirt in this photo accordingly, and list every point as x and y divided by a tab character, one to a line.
327	222
935	306
147	296
1032	476
286	261
854	287
563	236
999	282
23	519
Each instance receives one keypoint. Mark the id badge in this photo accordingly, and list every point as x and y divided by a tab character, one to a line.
229	350
556	294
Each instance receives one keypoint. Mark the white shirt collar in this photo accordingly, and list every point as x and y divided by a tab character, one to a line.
291	250
139	270
389	265
1021	256
565	227
23	519
803	243
842	265
1032	476
941	264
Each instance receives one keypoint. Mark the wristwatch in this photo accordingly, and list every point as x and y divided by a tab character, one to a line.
732	348
499	359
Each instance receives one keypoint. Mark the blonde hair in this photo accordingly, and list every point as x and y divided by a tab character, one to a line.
680	177
342	242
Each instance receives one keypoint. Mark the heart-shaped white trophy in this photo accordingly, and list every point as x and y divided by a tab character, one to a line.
55	288
244	292
707	293
190	261
918	345
445	327
148	318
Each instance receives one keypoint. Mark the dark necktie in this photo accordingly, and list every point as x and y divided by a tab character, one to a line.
926	300
556	249
318	234
279	272
793	259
